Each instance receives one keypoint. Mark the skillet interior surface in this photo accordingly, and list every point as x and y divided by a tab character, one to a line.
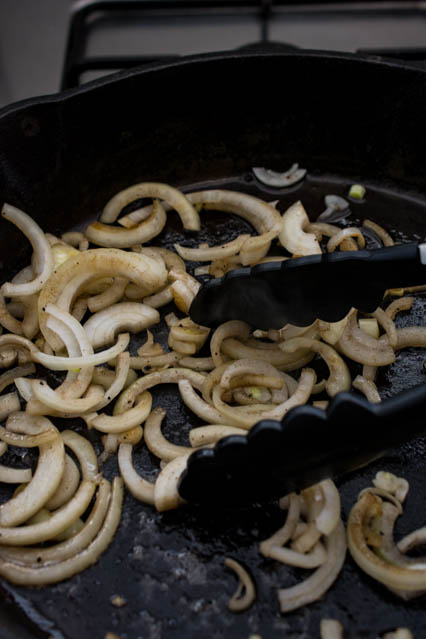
169	567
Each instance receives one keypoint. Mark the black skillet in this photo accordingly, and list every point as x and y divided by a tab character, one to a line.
207	120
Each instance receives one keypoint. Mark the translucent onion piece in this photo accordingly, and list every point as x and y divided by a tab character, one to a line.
8	320
10	475
401	304
140	488
84	452
368	388
118	237
279	180
256	248
67	487
252	367
344	234
102	327
155	440
235	349
159	299
19	371
312	559
166	496
387	324
65	284
245	593
26	575
176	199
205	254
169	376
43	485
43	255
397	486
118	382
154	362
67	407
57	363
111	295
293	236
399	577
362	348
331	332
331	629
76	239
340	378
410	336
233	328
9	403
105	377
329	516
121	422
318	583
197	363
380	231
198	406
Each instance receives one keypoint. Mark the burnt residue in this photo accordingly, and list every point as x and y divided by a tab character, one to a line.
170	567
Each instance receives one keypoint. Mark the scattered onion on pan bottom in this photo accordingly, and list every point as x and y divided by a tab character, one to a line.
73	300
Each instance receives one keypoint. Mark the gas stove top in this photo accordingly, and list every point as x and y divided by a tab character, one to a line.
57	44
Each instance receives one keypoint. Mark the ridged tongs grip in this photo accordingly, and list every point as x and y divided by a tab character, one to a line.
309	445
299	290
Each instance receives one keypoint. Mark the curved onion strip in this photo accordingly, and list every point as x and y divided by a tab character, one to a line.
66	407
27	575
119	423
235	349
30	325
362	348
413	539
118	237
327	519
17	341
401	304
56	363
9	403
207	253
140	488
240	601
27	441
176	199
380	231
318	583
43	556
394	576
368	388
10	475
169	376
203	435
293	236
331	629
8	320
46	479
19	371
260	214
155	440
166	496
102	327
84	452
79	270
397	486
67	486
312	559
105	377
284	534
148	363
159	299
59	521
119	381
171	260
111	295
42	253
198	406
410	336
255	248
251	367
277	179
386	322
344	234
340	378
3	448
197	363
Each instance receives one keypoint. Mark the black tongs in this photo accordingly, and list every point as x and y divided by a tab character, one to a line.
300	290
309	444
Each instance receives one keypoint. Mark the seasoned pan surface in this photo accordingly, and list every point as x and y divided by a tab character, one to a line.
170	567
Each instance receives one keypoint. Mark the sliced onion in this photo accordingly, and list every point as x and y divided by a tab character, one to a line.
121	422
197	363
118	237
20	371
279	180
344	234
368	388
245	593
140	488
293	236
203	435
84	452
166	495
111	295
401	304
362	348
42	253
312	559
10	475
318	583
102	327
331	629
9	403
205	254
235	349
198	406
154	362
54	573
57	363
380	231
67	407
340	378
233	328
67	487
155	440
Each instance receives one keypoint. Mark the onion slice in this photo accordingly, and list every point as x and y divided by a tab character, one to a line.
245	594
140	488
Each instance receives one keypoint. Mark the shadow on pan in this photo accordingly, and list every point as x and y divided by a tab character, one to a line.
205	121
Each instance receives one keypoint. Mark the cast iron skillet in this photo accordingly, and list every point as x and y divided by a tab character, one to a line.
206	120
